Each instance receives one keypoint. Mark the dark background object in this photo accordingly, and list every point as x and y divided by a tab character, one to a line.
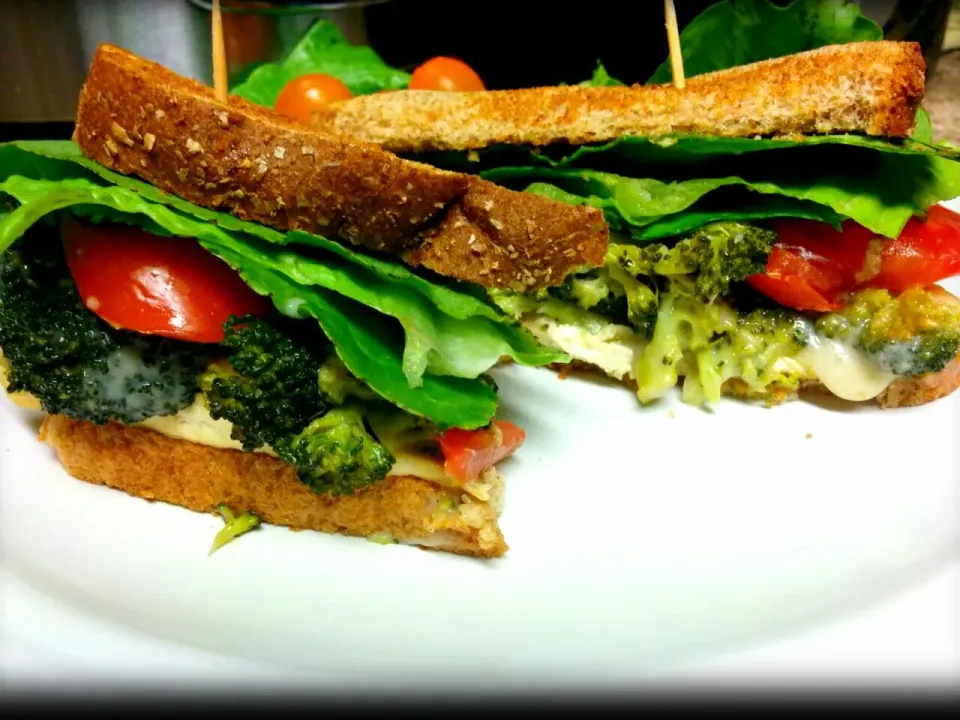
517	43
46	45
512	43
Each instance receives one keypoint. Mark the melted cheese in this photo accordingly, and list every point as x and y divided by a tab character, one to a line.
195	424
846	372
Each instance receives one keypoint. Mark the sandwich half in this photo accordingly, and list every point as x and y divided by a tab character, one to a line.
776	224
216	307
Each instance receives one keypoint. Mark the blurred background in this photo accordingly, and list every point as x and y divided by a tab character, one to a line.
46	45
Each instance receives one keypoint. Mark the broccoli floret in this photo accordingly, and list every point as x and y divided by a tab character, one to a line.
337	383
336	453
281	388
710	343
269	388
73	362
641	298
628	288
686	327
717	255
763	344
910	334
612	293
593	291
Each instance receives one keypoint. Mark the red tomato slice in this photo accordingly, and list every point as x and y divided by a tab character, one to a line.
155	285
926	252
467	453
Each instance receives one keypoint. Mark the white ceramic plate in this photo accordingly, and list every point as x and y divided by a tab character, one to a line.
640	540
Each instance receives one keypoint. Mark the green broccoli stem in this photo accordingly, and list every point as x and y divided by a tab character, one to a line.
234	526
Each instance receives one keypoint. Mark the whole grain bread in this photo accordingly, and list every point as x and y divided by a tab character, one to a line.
868	87
137	117
148	465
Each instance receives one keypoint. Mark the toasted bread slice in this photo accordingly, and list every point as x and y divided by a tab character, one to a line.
137	117
868	87
152	466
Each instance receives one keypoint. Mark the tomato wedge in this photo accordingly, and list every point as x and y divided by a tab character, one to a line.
812	265
467	453
155	285
926	252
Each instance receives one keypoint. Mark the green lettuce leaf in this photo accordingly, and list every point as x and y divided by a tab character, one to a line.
364	339
449	331
754	30
886	190
600	78
63	160
806	178
733	207
465	339
323	49
690	149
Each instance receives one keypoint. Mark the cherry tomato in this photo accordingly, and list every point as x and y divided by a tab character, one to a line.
304	95
445	73
926	252
155	285
467	453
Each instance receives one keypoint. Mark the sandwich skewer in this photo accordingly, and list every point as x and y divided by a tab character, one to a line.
673	40
219	54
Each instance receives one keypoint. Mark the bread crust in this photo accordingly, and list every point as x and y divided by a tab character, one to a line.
137	117
149	465
868	87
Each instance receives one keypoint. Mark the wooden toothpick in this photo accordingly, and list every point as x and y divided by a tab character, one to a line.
673	39
219	55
